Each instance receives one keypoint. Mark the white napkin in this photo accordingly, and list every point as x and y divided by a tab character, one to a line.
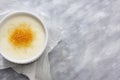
40	69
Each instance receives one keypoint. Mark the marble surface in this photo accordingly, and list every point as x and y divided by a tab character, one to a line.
10	74
90	45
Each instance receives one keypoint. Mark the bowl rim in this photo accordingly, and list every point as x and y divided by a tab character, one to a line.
45	42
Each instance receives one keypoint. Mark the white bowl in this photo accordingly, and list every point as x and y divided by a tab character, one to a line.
45	42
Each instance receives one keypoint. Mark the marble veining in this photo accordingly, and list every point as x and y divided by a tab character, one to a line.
89	49
90	46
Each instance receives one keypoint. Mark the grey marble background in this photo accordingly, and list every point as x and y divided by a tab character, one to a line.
90	45
90	49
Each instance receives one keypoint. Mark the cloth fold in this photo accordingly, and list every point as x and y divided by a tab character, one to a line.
40	69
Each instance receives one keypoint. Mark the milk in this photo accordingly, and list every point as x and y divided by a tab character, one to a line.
21	53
